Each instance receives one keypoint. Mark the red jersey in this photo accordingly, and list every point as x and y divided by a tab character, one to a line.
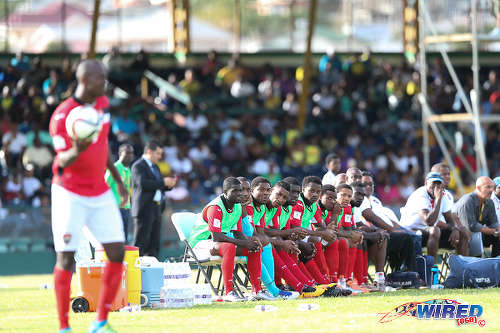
250	209
86	175
298	215
346	220
213	216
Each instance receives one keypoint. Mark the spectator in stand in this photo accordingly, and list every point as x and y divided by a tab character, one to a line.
14	188
113	60
39	157
32	187
141	62
189	84
124	127
333	164
332	58
14	143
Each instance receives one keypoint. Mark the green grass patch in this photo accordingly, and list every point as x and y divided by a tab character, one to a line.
24	307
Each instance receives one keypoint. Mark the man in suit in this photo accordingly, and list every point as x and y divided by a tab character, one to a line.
147	196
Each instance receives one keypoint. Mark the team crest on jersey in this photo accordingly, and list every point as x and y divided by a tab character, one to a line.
67	238
348	218
297	215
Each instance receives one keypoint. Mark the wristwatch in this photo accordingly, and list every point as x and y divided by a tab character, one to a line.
495	233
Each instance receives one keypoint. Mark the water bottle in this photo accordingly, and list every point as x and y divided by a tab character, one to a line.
131	308
163	297
265	308
435	274
308	307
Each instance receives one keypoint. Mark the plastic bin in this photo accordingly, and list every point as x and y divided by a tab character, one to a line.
89	276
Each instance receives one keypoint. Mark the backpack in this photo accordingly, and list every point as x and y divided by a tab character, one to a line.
404	280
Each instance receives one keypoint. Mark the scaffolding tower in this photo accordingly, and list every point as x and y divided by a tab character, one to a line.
429	118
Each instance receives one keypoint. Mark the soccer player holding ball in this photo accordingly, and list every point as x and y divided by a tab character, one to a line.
81	198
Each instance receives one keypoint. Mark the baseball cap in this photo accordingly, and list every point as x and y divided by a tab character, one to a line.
496	180
434	177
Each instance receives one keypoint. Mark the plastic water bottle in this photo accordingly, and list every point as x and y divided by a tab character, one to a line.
308	307
131	308
265	308
202	294
437	286
435	274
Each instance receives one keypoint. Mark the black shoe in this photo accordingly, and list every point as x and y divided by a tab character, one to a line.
308	289
336	292
285	287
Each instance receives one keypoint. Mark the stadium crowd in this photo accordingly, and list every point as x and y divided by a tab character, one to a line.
244	122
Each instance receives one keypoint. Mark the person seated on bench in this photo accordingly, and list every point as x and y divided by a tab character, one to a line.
444	240
495	196
210	237
421	213
477	211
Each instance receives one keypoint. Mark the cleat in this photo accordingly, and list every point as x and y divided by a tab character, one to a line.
288	294
101	327
261	296
233	297
336	292
354	286
326	286
285	287
308	292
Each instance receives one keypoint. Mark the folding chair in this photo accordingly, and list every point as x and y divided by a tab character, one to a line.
184	223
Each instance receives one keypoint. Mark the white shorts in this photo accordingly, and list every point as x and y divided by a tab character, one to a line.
202	249
72	213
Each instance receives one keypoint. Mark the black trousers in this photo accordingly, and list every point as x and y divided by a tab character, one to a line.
400	250
147	231
492	240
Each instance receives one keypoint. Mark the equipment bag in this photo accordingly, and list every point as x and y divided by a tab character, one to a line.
404	280
470	272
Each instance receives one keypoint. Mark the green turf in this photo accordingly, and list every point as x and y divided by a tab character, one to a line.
26	308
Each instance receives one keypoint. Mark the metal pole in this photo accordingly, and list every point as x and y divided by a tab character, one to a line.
442	145
6	12
119	23
93	36
291	25
187	9
63	27
237	25
301	119
482	164
463	97
423	87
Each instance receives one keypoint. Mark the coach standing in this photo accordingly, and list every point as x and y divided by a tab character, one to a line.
147	195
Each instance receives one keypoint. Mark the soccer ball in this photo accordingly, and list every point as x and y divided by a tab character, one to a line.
83	123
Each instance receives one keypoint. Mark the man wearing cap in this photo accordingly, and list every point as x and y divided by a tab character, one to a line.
422	210
495	197
477	211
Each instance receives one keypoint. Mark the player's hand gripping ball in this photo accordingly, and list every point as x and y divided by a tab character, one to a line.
83	123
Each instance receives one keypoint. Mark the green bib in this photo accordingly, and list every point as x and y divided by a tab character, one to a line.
324	215
270	215
285	216
308	213
257	214
340	217
229	220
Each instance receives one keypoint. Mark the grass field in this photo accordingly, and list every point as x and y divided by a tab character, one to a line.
26	308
